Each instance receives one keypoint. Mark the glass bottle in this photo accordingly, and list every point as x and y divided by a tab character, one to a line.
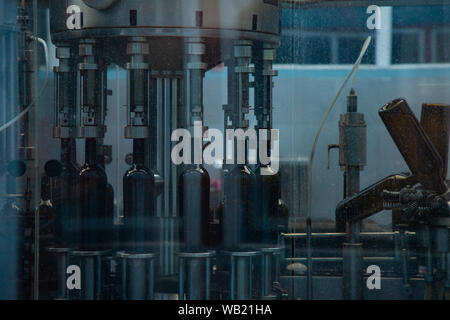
91	219
139	202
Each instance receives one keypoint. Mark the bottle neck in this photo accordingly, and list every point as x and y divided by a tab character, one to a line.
68	151
91	151
138	151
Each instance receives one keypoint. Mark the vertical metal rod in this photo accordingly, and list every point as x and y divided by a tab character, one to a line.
208	276
250	278
233	275
181	277
124	279
151	280
309	291
352	158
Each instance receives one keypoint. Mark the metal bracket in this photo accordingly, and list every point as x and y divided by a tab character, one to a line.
330	147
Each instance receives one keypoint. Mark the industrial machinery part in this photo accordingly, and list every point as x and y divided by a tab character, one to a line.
165	92
358	207
263	224
242	282
413	143
132	224
194	184
271	262
91	93
305	4
418	204
91	277
435	121
195	275
139	189
138	182
231	19
64	92
138	77
61	261
415	146
352	159
138	275
239	181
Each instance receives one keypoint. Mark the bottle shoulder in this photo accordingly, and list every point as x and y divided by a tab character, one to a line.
266	173
70	168
88	170
139	170
242	170
196	171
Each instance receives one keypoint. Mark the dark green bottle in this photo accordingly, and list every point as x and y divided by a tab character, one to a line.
139	202
263	228
66	195
239	204
92	220
194	187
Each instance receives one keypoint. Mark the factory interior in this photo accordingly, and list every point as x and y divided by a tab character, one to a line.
224	150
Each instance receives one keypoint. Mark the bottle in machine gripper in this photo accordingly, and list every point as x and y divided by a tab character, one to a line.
139	202
194	185
92	219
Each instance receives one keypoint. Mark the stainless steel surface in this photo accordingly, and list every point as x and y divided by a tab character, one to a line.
358	3
220	19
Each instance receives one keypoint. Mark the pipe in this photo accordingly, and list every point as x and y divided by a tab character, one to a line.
33	103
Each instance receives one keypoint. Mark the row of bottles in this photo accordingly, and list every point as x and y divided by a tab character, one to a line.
83	199
249	214
80	196
85	202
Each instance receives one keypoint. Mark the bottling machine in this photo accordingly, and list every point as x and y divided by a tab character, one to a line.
95	205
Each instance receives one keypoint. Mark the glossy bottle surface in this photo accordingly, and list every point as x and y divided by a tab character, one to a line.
65	195
194	185
111	235
13	248
237	214
264	225
139	203
92	219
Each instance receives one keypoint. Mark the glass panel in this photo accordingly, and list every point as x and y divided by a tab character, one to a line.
224	149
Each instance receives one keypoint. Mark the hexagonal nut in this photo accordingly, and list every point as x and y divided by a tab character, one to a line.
269	54
63	52
86	49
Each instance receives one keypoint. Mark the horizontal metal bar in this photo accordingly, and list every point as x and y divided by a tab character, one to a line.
339	259
359	3
342	234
